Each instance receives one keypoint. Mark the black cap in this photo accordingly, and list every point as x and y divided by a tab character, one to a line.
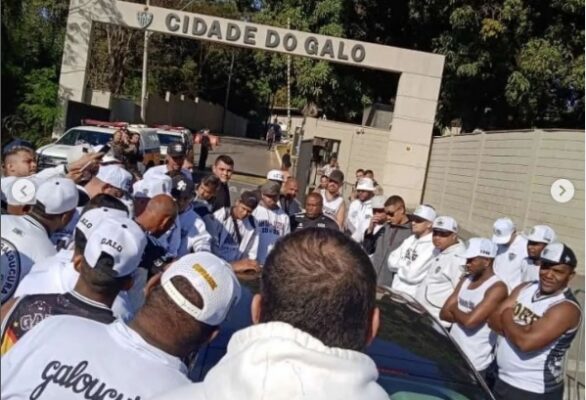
176	150
559	253
183	187
249	199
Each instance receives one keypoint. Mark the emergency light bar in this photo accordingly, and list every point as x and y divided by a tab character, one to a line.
104	124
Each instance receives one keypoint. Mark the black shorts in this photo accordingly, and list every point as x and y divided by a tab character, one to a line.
504	391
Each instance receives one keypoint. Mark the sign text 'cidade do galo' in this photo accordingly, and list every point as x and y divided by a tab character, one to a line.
249	35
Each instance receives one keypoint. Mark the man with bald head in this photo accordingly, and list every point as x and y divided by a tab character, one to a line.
287	199
313	217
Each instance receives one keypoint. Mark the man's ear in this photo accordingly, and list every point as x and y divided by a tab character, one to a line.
373	325
152	283
77	260
256	308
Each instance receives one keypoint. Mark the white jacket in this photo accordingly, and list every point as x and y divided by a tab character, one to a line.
410	262
225	240
278	362
359	215
443	274
194	236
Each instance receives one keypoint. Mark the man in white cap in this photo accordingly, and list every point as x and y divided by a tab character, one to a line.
360	210
512	249
25	239
537	324
67	357
176	153
539	236
476	297
275	175
111	179
271	221
409	261
444	270
145	189
110	256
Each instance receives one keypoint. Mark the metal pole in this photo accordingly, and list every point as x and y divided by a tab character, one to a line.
227	97
145	59
289	87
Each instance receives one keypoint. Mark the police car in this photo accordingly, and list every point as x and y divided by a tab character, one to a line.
93	133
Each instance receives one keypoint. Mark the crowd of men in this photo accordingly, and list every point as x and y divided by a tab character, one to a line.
112	280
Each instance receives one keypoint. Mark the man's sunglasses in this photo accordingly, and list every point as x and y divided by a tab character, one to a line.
418	220
439	233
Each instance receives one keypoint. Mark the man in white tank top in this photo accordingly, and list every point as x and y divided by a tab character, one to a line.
538	322
476	297
333	203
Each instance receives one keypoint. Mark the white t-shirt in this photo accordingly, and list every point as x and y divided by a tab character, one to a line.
67	357
270	226
529	270
24	242
56	274
225	240
359	215
507	263
410	260
331	207
194	236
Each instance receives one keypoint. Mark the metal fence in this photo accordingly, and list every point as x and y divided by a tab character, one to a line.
574	369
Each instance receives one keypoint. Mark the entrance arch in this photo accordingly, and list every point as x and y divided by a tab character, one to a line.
417	91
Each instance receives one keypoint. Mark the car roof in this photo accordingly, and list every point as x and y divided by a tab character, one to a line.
169	132
94	128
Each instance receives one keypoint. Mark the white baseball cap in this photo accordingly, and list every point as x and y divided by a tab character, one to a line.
58	195
559	253
377	202
89	220
212	278
365	184
120	238
502	230
426	212
480	247
445	223
541	234
275	175
115	176
153	186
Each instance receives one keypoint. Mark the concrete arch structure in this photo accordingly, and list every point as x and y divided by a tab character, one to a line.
416	98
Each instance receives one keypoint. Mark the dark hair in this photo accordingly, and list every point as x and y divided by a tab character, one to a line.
317	196
13	150
359	170
210	181
368	171
159	304
104	200
100	278
394	201
249	199
322	282
225	159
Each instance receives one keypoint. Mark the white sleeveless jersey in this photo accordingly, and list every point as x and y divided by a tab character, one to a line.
331	208
476	343
538	371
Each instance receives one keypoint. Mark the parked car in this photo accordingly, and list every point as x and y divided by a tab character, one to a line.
415	355
96	133
173	134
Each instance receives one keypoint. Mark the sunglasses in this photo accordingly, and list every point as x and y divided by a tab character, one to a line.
441	233
418	220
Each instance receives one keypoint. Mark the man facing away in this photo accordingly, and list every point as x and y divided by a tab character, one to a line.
299	346
67	357
537	324
444	270
360	210
476	297
394	232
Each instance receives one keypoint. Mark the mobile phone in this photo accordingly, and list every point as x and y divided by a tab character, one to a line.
105	149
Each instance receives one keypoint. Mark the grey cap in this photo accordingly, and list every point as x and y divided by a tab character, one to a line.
270	188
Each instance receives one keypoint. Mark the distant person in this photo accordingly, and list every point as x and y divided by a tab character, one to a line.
313	217
174	160
380	245
410	259
133	154
68	357
378	189
333	202
204	146
537	324
271	221
276	175
512	250
359	174
270	137
323	183
537	239
443	271
223	168
299	347
476	297
330	166
286	160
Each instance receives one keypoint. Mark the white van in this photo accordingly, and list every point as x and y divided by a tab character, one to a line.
98	133
173	134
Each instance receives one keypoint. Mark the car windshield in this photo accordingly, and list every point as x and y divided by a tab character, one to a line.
80	136
167	139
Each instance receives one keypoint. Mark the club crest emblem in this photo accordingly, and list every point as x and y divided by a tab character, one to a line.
145	18
512	256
